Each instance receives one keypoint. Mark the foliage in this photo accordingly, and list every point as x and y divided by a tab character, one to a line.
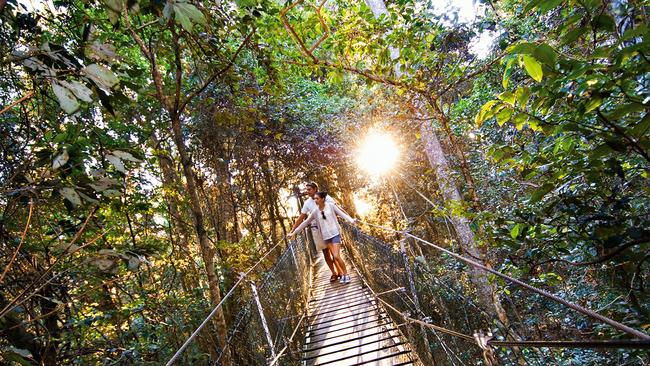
111	109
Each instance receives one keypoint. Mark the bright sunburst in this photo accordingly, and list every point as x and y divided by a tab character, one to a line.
377	153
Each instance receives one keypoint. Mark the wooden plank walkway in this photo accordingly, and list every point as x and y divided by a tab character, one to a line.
346	326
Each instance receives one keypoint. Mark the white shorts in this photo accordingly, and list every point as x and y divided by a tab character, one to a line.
318	238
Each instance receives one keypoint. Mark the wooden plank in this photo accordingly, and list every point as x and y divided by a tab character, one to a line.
346	326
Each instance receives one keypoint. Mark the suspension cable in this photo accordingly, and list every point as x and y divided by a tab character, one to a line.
216	308
576	307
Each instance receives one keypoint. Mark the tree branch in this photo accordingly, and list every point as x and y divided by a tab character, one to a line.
207	83
22	239
179	69
22	99
601	259
157	78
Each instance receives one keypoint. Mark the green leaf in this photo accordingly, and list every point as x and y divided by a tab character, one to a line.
546	54
246	3
18	355
67	100
533	67
547	5
571	36
187	14
522	94
71	195
79	90
642	127
507	72
116	162
103	77
637	31
604	22
593	103
519	120
123	155
514	232
507	97
182	18
533	124
531	5
485	113
625	109
504	116
540	192
522	48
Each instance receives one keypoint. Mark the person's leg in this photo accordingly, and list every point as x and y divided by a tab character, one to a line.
335	249
338	267
330	263
318	239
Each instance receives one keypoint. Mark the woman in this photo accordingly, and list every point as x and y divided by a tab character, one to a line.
325	214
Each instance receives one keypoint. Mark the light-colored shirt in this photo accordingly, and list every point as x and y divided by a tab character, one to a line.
310	205
329	226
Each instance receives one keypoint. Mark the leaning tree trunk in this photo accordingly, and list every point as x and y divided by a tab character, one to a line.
271	197
487	291
207	251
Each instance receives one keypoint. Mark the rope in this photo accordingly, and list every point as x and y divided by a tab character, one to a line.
615	343
245	338
283	350
216	308
578	308
428	325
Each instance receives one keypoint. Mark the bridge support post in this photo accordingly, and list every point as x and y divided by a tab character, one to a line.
260	310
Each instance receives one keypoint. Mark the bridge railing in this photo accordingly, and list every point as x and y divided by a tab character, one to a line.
281	296
440	313
386	270
268	306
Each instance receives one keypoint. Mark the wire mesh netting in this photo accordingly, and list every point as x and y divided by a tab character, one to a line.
282	292
441	311
430	294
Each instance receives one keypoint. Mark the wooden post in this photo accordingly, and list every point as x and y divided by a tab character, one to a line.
269	339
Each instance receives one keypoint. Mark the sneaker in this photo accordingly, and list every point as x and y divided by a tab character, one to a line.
345	279
342	280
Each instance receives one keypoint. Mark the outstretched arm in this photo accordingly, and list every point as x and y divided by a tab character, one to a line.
304	224
299	221
344	215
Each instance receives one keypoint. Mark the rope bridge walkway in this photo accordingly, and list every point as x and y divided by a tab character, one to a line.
399	309
348	326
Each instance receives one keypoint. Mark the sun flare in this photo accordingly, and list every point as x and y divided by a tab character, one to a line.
377	153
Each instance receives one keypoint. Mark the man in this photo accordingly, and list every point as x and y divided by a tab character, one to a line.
307	208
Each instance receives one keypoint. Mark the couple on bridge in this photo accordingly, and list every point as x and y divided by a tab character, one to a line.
320	211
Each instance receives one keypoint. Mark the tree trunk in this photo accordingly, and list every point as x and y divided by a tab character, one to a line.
487	292
207	252
170	181
271	197
345	189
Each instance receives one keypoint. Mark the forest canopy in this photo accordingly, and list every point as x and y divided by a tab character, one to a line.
152	151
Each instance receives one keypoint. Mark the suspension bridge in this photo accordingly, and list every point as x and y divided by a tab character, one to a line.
397	310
